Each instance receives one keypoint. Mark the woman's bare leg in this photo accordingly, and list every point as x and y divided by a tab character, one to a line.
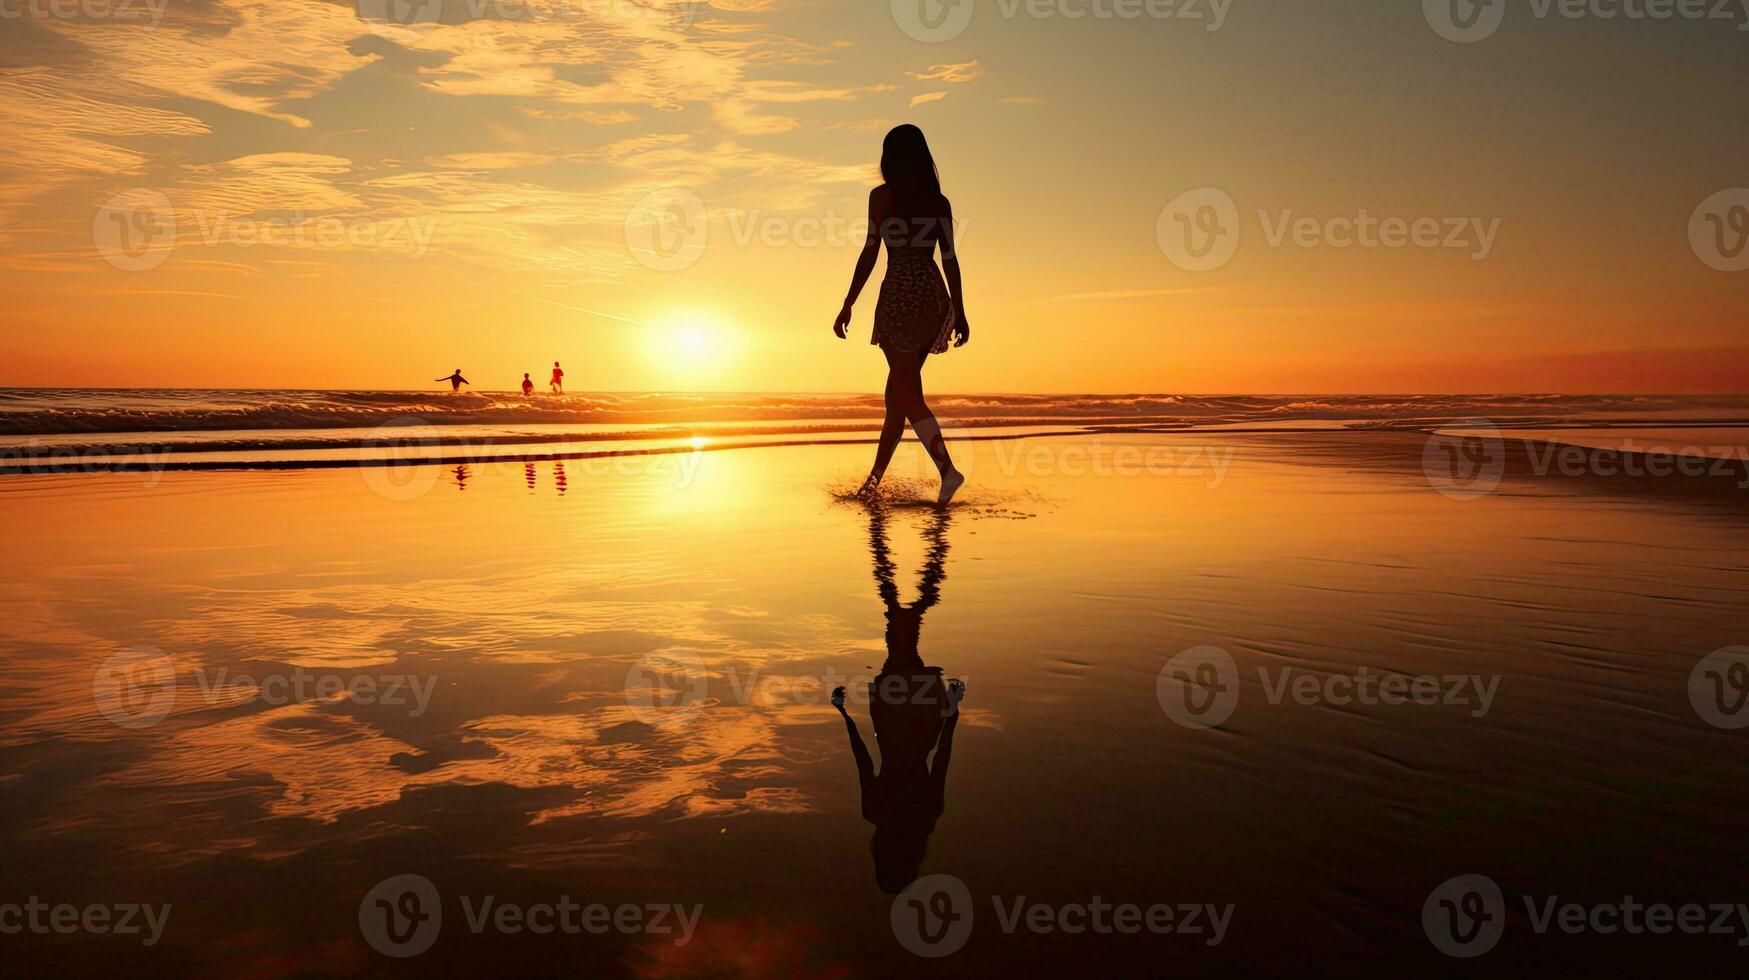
923	420
892	429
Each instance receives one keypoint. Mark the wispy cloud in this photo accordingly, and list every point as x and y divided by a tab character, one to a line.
917	100
963	72
488	161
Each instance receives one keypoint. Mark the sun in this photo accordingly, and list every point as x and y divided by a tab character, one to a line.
691	346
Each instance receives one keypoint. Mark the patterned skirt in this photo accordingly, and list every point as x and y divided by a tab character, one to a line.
915	313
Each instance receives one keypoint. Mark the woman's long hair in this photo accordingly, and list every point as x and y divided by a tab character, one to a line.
908	167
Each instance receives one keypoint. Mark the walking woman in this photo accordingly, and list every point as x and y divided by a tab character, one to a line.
918	314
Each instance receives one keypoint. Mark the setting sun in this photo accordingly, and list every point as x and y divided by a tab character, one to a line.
691	348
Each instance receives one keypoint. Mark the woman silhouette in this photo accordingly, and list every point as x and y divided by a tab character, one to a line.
917	314
913	713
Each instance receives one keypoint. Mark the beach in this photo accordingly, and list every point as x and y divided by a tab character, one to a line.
255	695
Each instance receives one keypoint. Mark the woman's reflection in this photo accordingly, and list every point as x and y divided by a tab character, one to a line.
913	713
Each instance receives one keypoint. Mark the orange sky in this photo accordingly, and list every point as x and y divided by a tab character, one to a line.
287	193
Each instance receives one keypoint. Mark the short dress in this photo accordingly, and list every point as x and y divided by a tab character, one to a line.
915	313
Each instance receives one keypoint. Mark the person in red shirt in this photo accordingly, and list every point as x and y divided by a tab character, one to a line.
558	379
527	385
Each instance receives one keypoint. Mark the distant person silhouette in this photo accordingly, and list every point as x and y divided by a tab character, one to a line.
456	380
917	314
913	712
527	385
558	381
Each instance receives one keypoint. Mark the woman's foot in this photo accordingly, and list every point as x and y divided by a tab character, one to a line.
869	487
950	485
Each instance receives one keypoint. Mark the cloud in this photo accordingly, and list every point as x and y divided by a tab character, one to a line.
216	52
795	92
917	100
963	72
595	117
267	182
51	134
93	111
488	161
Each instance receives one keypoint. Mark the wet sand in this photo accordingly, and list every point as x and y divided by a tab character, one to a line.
535	603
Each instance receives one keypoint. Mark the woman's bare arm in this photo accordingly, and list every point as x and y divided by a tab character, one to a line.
864	762
950	265
865	262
